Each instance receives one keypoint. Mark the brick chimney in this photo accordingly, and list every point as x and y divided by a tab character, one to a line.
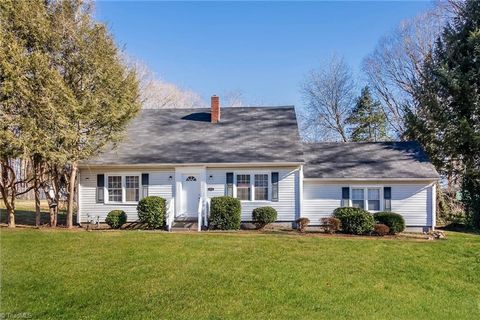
215	109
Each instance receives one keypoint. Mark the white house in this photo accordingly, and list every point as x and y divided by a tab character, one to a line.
255	154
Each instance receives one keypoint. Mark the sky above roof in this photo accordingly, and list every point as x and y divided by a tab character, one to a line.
262	49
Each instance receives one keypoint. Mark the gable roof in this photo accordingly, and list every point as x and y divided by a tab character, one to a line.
367	160
244	135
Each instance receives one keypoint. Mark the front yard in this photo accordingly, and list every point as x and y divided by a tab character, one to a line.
139	275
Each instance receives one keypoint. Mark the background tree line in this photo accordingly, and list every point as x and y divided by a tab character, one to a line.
422	83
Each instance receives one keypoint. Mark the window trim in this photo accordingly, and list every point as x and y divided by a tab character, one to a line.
365	196
252	174
124	191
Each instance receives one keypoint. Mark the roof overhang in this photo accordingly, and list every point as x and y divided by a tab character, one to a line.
372	179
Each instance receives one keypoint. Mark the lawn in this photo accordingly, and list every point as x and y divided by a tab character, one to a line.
141	275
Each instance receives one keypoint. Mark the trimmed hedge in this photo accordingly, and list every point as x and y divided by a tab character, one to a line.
116	218
355	220
152	211
225	213
263	216
393	220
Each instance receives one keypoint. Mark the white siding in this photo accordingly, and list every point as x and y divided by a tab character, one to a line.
287	206
159	186
412	200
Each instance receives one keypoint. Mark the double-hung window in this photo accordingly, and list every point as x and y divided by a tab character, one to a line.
114	186
261	187
243	187
132	188
358	198
374	199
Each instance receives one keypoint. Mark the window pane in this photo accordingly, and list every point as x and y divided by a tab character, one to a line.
243	186
357	194
261	187
114	188
374	205
358	204
373	194
132	188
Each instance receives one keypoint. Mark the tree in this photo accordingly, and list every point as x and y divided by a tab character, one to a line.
156	93
449	104
329	96
395	67
105	93
367	119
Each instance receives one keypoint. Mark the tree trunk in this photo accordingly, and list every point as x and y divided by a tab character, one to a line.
71	195
37	205
11	217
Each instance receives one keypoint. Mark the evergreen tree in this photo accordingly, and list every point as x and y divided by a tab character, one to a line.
448	118
367	119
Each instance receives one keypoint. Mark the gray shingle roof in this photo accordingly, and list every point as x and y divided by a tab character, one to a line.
367	160
244	135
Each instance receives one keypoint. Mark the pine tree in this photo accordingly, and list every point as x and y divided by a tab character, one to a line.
448	118
367	119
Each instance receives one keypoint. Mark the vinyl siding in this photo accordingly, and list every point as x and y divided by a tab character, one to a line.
412	200
159	186
287	206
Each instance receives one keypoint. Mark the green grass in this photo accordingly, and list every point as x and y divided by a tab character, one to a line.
25	213
152	275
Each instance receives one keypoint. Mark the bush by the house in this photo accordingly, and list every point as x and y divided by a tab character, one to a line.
116	218
393	220
225	213
151	211
380	229
302	224
354	220
330	224
263	216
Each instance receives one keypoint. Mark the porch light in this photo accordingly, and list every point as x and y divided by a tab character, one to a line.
170	178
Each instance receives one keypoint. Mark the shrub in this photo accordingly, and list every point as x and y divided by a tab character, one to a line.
151	211
116	218
225	213
330	224
302	224
263	216
354	220
381	229
393	220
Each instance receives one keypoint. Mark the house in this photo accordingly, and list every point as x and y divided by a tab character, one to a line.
255	154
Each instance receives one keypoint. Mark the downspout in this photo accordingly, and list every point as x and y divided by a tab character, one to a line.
300	193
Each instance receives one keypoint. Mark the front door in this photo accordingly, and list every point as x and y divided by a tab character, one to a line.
190	194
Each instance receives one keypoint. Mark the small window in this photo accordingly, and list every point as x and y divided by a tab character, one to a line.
243	186
374	199
358	198
115	188
261	187
191	178
132	188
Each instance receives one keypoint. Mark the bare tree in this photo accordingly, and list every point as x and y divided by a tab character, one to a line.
156	93
396	65
328	93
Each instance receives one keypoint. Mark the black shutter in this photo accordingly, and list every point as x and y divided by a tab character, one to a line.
345	196
387	198
275	186
145	183
100	188
229	190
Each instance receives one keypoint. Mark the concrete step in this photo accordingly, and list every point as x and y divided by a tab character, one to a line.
184	226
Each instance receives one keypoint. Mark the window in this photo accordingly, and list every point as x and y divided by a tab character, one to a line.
132	188
114	188
243	186
261	187
374	199
358	198
191	178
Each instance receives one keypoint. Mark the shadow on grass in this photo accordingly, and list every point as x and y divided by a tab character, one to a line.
460	227
27	218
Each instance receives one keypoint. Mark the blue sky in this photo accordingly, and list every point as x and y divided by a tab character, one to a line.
262	49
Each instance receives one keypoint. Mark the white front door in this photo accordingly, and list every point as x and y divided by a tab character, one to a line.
190	194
